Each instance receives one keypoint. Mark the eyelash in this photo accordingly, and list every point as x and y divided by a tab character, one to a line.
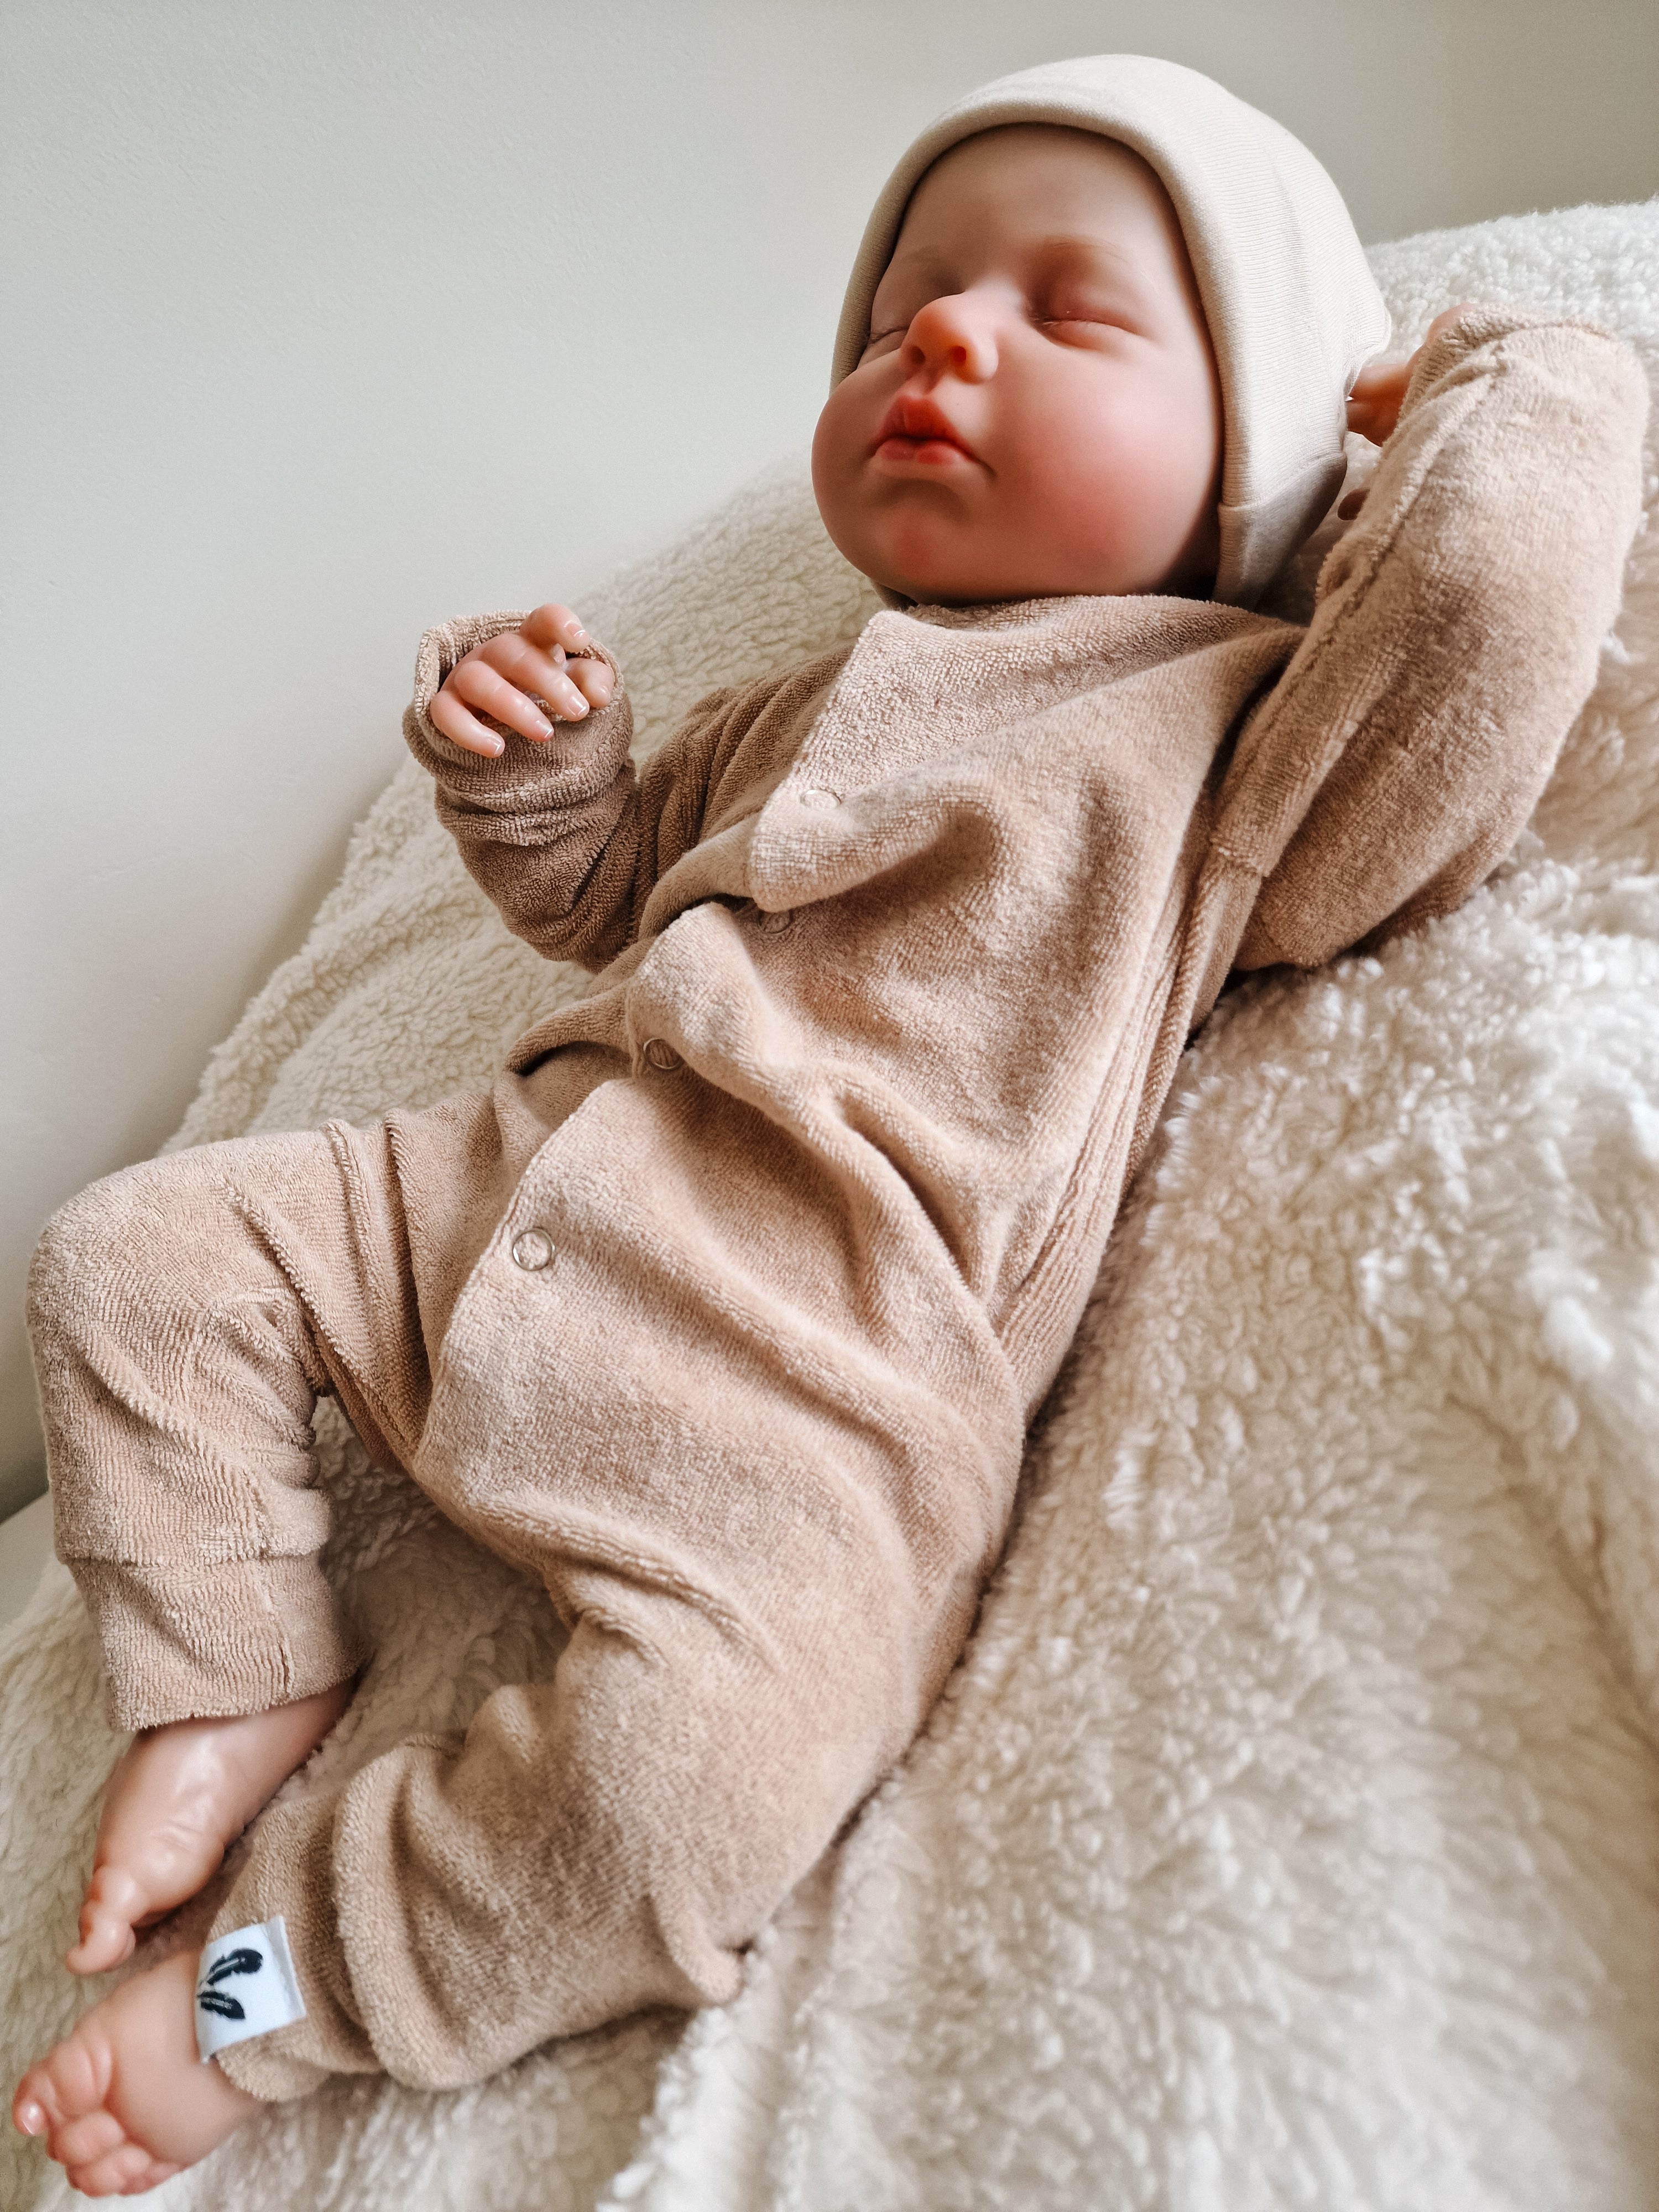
1040	322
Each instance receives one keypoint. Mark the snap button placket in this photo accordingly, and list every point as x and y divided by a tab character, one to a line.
658	1053
783	919
533	1250
815	796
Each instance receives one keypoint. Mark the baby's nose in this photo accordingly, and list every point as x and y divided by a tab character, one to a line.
954	334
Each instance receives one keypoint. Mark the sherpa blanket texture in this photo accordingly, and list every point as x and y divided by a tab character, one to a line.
1289	1834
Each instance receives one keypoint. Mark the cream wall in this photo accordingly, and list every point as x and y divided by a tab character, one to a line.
323	321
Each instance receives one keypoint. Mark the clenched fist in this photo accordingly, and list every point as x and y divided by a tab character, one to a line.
527	678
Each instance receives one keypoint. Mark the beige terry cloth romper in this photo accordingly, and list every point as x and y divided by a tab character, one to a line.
724	1311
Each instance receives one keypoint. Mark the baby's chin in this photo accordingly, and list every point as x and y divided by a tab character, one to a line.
914	552
955	582
957	588
945	575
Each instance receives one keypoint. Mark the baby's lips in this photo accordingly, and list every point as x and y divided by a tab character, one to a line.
922	421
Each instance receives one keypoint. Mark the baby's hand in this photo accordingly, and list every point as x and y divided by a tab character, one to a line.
515	677
1378	392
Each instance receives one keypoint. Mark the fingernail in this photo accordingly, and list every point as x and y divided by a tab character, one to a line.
31	2120
580	636
496	749
577	708
543	729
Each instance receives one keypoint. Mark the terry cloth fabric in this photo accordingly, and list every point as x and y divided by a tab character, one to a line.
1293	311
737	1360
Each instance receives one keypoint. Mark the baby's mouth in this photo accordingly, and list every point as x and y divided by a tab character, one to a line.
919	430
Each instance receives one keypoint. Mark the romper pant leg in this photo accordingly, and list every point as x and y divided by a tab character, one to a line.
766	1576
186	1315
610	1840
765	1524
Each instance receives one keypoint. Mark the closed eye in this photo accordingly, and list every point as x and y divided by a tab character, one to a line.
1082	323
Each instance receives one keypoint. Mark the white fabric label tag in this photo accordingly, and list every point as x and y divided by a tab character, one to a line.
245	1985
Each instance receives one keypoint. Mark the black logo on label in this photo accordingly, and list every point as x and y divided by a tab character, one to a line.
212	1998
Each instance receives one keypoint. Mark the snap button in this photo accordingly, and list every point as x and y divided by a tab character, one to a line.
661	1054
812	796
532	1248
772	923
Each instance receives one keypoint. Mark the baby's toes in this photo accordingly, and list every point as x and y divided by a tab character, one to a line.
89	2140
106	1941
126	2171
30	2112
64	2087
115	1890
113	1901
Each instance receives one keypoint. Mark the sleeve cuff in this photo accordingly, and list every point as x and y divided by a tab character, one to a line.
1481	327
236	1635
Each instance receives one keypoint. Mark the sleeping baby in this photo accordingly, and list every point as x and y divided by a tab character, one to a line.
725	1310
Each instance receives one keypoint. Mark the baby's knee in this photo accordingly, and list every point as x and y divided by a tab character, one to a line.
139	1239
82	1243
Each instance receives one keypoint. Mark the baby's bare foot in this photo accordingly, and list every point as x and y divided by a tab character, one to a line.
179	1797
124	2101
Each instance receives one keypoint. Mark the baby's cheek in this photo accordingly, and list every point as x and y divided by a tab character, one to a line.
1125	492
839	442
846	426
1091	497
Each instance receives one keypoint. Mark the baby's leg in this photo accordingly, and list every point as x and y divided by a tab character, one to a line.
123	2101
179	1797
186	1315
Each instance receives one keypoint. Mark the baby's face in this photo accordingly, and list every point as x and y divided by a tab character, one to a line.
1037	412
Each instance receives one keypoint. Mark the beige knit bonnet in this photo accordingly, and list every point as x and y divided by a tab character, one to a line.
1292	309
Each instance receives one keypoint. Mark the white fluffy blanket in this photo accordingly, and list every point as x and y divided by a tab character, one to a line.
1291	1834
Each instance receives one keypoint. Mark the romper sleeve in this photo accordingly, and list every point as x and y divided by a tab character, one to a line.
568	839
1455	638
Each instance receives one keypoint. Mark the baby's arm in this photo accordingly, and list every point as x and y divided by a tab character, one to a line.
550	817
546	820
1456	639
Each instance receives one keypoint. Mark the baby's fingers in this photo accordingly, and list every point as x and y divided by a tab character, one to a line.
1374	403
556	630
448	716
542	679
483	689
519	679
474	683
594	677
554	625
